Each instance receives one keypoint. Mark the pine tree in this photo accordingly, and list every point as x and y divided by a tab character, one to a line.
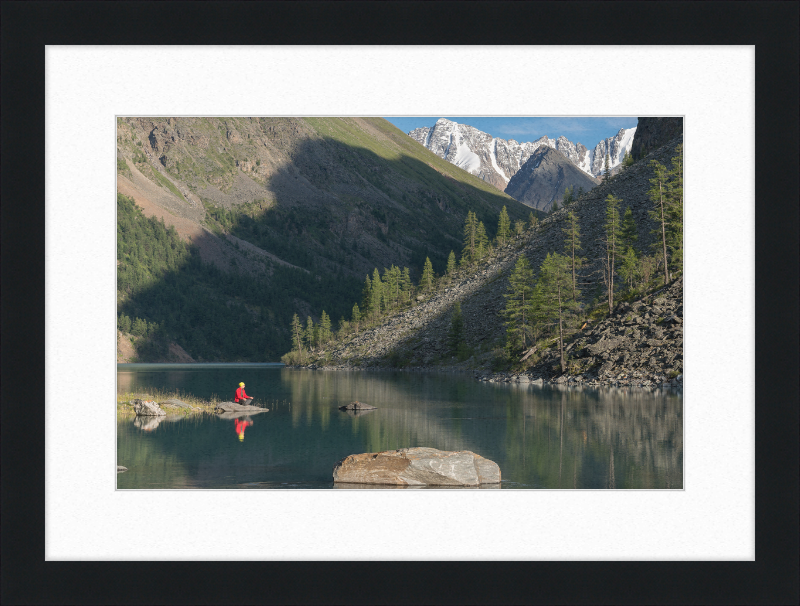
356	316
481	242
675	213
519	228
309	334
612	229
366	297
324	328
533	220
659	194
297	336
406	286
557	302
376	295
470	234
568	197
572	245
124	324
630	267
426	282
451	264
518	304
607	169
627	160
554	207
503	227
627	233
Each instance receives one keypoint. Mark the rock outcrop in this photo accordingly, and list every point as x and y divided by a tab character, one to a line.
147	408
357	406
417	467
652	133
228	407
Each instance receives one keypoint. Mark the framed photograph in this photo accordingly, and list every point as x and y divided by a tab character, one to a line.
706	528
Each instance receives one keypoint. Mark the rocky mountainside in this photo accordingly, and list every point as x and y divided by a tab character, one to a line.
652	133
417	337
497	160
298	208
544	177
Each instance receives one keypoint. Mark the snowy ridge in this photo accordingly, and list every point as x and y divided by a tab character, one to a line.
497	160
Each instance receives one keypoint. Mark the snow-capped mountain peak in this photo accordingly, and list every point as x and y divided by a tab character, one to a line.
497	160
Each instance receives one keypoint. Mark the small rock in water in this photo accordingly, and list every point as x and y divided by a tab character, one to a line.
120	469
357	406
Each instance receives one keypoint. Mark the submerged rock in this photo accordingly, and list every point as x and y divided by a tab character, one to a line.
417	467
359	413
357	406
147	408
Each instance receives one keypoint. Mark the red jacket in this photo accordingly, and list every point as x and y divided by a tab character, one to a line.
240	394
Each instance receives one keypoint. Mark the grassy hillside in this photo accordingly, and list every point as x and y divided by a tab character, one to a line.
291	211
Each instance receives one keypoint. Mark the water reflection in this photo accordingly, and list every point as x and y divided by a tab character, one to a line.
540	436
241	425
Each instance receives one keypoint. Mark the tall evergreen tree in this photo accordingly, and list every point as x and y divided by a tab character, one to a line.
297	336
519	228
568	198
426	282
518	304
376	295
356	316
406	286
451	264
533	220
554	207
572	246
612	229
310	335
324	328
366	297
607	169
557	303
629	267
659	194
481	242
470	236
628	234
675	214
503	227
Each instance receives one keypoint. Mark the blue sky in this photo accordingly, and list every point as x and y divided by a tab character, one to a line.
588	131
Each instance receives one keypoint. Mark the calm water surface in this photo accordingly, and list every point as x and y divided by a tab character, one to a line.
541	437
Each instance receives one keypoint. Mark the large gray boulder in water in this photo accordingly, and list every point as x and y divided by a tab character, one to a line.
417	467
147	408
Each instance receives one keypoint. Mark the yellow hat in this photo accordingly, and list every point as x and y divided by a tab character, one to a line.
241	384
241	437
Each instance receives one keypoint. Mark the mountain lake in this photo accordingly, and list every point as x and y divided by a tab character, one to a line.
541	436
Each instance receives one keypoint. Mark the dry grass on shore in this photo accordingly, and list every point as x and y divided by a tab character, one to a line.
125	401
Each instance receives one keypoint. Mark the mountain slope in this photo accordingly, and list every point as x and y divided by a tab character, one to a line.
298	208
417	337
544	177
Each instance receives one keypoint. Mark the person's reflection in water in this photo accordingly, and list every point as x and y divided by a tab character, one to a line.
240	426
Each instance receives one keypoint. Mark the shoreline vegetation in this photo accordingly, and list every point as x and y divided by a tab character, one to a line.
196	405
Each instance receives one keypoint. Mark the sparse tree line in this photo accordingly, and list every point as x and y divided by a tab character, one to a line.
395	290
544	309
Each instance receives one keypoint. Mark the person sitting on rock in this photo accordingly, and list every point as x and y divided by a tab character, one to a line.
241	396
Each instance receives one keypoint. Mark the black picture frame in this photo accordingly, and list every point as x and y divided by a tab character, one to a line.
27	27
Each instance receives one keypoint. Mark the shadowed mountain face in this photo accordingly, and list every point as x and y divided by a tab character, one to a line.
286	206
544	177
652	133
